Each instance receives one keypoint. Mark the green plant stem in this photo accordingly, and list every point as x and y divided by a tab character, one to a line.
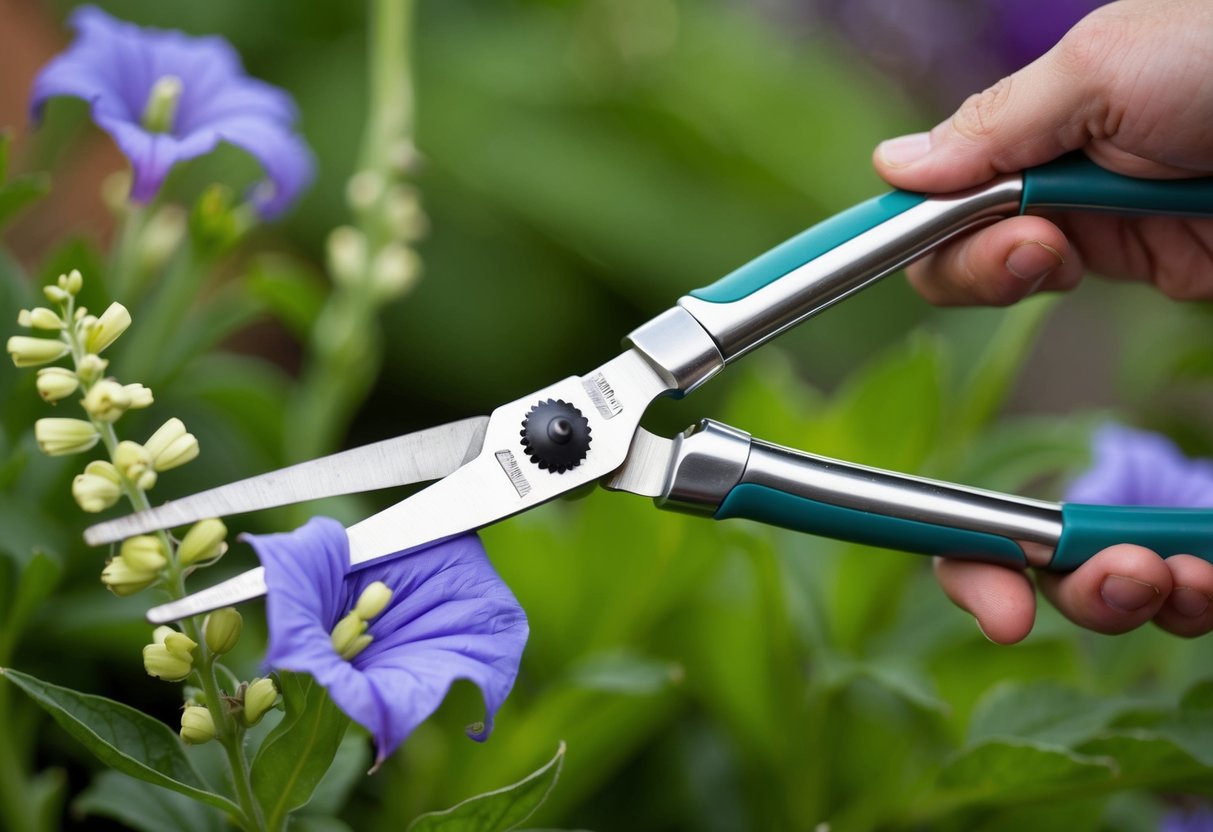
229	733
346	346
123	274
16	813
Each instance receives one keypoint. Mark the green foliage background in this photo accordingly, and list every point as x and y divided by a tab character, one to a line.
586	164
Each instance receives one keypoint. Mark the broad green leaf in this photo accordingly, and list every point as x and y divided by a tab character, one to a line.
624	672
143	806
1014	771
299	751
20	192
1199	697
349	766
123	738
1044	711
1145	759
500	810
36	582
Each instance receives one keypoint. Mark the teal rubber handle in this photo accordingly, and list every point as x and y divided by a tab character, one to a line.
807	245
1168	531
777	508
1075	182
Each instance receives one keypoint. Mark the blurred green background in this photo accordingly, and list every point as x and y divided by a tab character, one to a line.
586	163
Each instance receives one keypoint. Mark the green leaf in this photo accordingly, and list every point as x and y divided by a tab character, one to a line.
349	766
499	810
20	192
123	738
991	378
1013	771
1043	711
299	751
36	582
623	671
142	806
289	290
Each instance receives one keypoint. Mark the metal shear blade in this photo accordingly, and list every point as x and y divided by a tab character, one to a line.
490	487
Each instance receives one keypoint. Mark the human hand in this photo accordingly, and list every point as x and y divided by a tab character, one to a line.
1132	86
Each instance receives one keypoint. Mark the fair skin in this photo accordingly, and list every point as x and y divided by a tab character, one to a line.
1131	86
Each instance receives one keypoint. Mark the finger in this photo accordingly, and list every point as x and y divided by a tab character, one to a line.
1189	608
998	265
1002	600
1117	590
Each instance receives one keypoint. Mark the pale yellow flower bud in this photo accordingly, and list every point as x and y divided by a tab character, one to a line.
122	580
197	725
163	663
134	463
364	189
348	636
174	640
28	351
59	437
204	541
98	487
112	323
347	255
116	192
373	600
106	401
171	445
222	630
161	236
55	383
72	282
259	697
402	210
144	553
139	395
55	294
40	318
90	368
395	270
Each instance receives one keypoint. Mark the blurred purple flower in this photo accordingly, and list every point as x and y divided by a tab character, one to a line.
942	50
115	66
1198	819
450	617
1139	468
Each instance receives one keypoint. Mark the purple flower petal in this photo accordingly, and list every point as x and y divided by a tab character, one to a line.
113	65
1139	468
450	617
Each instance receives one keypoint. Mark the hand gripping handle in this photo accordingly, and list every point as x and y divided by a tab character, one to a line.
724	472
851	250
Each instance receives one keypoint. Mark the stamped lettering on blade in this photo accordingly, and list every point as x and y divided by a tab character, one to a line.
514	471
602	394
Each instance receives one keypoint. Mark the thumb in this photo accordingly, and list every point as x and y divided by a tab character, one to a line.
1026	119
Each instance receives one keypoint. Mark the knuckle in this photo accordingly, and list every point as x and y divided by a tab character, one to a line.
978	117
1086	48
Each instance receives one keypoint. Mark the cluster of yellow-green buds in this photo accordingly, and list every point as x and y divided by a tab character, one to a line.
379	253
349	637
170	656
68	330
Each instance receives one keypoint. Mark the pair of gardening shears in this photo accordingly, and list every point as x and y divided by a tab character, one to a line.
586	429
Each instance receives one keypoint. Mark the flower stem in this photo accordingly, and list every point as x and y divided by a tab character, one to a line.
229	732
346	344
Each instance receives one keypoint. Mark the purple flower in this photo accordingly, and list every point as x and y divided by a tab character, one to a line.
1196	819
166	97
1139	468
449	617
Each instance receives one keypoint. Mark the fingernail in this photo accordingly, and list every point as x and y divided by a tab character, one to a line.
1033	260
904	150
1127	594
1190	602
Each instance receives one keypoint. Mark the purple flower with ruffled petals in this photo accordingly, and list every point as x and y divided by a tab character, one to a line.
1196	819
1139	468
449	617
207	98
